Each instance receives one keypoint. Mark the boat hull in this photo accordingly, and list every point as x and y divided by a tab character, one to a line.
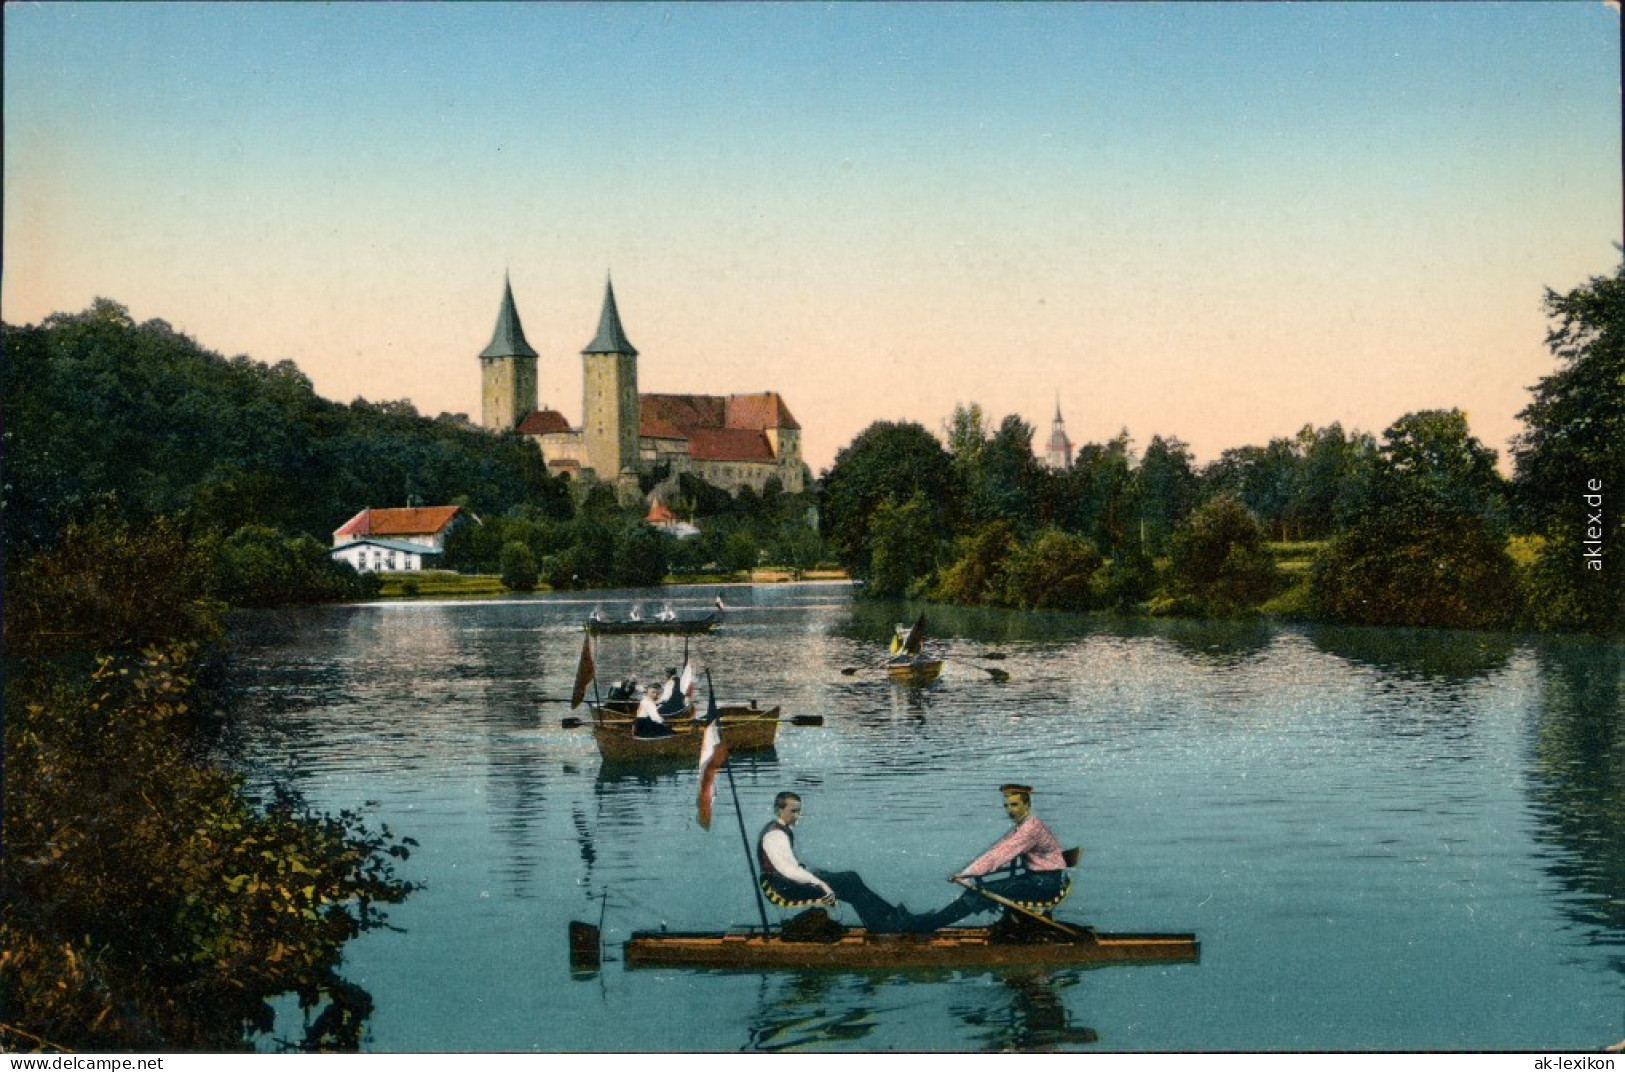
858	950
917	671
744	729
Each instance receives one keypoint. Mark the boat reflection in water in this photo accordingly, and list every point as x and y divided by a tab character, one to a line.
818	1012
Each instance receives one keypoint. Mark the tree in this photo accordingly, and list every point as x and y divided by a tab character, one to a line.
887	461
1217	558
519	572
1166	489
1053	571
976	575
1570	461
1430	549
147	900
904	546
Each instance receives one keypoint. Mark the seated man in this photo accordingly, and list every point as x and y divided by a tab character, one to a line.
649	722
1030	850
776	856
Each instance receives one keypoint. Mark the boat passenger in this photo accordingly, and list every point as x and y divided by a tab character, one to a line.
666	614
1030	850
671	700
649	722
776	855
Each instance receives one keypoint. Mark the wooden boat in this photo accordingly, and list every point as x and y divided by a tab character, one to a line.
909	664
679	626
914	670
858	950
745	728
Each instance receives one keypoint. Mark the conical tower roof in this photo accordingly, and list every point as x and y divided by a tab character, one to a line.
611	339
509	338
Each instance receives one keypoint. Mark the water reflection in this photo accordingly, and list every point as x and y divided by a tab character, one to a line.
1577	781
1223	644
818	1011
1036	1019
1446	656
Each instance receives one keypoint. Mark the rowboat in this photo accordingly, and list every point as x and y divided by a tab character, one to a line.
745	728
857	950
656	626
909	665
916	671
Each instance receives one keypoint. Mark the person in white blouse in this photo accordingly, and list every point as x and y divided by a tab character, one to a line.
776	855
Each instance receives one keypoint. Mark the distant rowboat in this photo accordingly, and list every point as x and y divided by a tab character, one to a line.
652	626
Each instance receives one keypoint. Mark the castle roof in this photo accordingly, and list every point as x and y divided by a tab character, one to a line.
509	338
729	445
765	410
611	339
405	521
543	422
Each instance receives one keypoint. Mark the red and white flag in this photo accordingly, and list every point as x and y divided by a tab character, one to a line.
586	670
713	754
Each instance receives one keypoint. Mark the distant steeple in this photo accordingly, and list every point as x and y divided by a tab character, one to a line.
1058	452
509	338
611	339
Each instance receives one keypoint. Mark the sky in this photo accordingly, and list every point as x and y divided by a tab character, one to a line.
1215	222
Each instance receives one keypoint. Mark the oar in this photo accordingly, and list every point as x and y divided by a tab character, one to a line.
794	720
1029	913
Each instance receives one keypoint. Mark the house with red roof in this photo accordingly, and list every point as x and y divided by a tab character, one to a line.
395	539
730	441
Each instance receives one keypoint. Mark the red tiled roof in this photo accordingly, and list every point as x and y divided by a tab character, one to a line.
543	422
766	410
654	426
405	521
686	412
729	445
659	511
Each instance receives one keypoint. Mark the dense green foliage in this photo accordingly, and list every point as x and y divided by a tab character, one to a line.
1416	531
101	411
147	901
1570	475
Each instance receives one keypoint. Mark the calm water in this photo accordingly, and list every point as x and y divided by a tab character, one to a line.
1384	839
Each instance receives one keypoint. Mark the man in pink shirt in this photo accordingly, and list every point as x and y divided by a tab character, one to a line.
1030	850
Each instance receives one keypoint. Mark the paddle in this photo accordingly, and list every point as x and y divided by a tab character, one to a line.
1029	913
795	720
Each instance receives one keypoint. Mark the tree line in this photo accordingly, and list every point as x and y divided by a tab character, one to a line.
1415	527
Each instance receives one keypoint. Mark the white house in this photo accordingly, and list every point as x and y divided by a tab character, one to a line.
390	540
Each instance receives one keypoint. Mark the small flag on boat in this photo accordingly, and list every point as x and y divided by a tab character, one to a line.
713	754
686	683
586	670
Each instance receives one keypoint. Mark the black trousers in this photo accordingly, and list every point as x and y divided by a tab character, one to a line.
1031	886
876	913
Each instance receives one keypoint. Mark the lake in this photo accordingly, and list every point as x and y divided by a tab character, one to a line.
1385	839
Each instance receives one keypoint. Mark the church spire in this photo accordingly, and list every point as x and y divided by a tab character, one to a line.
509	338
611	339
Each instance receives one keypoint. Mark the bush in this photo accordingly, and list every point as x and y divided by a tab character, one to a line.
1052	572
1417	563
1218	560
519	572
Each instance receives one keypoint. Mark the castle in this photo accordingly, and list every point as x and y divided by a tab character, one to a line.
731	442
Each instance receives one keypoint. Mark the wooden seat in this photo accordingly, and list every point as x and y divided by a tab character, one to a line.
781	901
1044	908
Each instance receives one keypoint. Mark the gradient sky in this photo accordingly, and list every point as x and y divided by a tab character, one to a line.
1218	222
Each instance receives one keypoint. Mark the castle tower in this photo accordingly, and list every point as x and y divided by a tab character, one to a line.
507	371
610	417
1058	453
